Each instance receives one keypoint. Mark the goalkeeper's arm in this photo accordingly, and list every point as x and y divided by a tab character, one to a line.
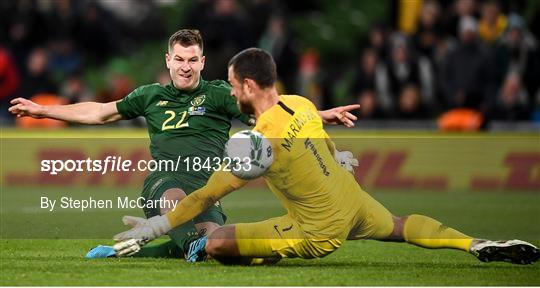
144	230
220	184
331	145
82	113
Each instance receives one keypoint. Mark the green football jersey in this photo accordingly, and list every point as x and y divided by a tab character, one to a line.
185	124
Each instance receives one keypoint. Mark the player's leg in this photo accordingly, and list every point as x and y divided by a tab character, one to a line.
376	222
210	220
426	232
205	223
265	242
167	249
240	244
158	186
222	245
171	190
166	188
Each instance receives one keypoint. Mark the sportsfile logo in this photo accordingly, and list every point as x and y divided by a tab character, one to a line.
119	164
109	164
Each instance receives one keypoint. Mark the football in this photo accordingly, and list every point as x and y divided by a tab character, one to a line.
249	154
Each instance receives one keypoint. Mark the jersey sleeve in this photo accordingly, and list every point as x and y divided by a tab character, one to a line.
133	105
331	145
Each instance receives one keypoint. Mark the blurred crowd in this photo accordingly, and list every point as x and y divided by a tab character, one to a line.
477	55
47	45
422	60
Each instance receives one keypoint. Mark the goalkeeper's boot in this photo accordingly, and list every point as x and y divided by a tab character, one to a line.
101	251
513	251
196	251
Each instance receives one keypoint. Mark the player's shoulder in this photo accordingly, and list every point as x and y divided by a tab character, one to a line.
297	102
272	121
218	86
146	90
151	87
267	122
217	91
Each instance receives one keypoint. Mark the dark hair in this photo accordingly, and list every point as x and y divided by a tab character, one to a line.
186	38
255	64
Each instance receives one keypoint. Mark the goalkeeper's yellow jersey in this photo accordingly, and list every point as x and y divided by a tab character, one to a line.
320	195
316	191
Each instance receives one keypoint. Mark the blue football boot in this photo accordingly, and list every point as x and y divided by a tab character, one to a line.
101	251
196	252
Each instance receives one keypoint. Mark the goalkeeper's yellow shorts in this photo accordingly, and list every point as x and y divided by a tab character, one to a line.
285	237
372	220
281	237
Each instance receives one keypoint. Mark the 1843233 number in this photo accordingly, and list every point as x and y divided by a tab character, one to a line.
216	163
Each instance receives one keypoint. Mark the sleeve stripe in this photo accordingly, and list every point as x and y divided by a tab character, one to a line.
289	110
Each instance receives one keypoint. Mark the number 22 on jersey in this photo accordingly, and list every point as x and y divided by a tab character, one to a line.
182	122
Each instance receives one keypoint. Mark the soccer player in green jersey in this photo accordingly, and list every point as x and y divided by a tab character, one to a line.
189	118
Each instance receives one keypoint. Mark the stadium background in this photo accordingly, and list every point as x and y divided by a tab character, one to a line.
401	60
404	60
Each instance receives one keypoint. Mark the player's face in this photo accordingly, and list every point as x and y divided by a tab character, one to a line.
185	65
240	91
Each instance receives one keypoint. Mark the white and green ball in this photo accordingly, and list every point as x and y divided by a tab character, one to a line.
249	153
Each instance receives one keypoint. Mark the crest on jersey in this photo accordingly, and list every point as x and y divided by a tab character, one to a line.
197	101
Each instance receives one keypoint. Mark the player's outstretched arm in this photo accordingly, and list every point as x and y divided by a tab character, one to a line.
339	115
82	113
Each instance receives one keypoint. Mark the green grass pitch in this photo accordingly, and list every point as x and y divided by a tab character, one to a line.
60	261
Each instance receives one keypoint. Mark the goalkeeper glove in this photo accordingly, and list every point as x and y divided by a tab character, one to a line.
346	160
144	230
128	248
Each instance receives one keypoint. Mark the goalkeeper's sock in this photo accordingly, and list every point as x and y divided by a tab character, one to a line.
167	249
430	233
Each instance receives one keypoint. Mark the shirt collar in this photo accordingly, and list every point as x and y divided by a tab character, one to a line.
176	91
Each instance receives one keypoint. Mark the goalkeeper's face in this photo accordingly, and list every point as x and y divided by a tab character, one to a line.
242	92
185	65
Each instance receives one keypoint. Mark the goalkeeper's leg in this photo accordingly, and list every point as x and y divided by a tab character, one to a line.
224	246
430	233
184	235
378	223
427	232
239	244
266	242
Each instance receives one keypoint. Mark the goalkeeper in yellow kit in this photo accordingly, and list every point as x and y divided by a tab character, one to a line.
325	205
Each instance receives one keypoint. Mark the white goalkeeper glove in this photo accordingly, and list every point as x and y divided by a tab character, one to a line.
144	230
346	160
128	248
